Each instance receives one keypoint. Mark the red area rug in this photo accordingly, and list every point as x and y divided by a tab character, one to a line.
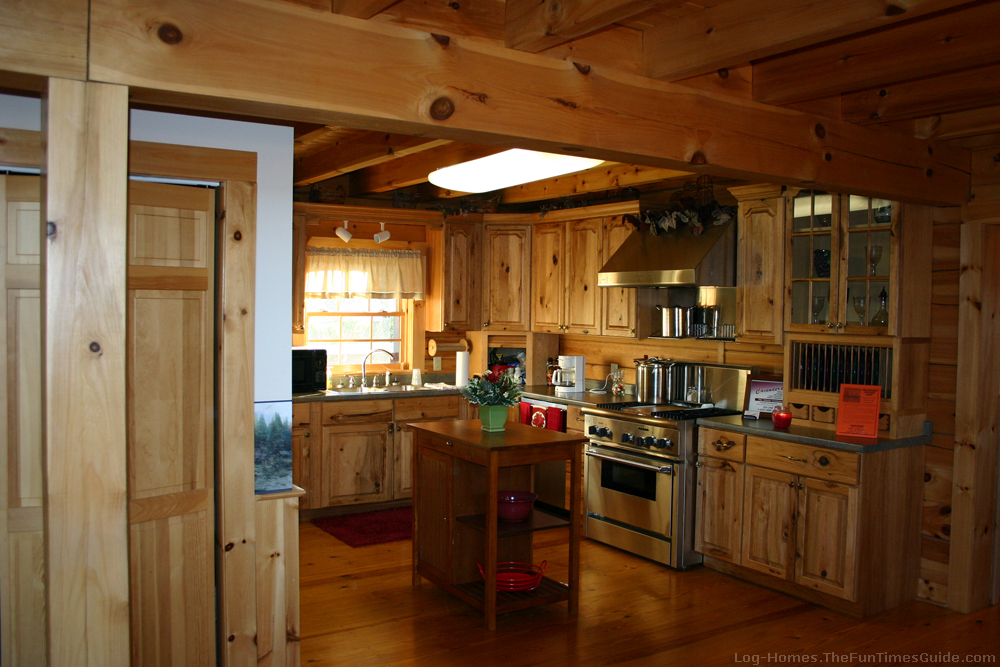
368	528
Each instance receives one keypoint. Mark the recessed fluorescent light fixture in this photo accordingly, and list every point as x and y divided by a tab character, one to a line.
507	169
343	234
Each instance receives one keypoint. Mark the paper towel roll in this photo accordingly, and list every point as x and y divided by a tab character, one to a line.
461	369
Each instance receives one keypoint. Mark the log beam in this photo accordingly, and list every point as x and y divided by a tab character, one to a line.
534	26
736	32
44	38
931	46
409	82
603	177
358	152
414	169
361	9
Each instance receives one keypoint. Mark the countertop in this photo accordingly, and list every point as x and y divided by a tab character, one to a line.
584	398
514	435
818	437
392	392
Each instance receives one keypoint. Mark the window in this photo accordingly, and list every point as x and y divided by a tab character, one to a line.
350	328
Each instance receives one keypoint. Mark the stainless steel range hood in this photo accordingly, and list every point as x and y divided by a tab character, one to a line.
674	258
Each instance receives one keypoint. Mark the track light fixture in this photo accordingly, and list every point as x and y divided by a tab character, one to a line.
343	234
382	236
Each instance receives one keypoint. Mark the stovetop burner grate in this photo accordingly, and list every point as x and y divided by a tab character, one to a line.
694	413
624	405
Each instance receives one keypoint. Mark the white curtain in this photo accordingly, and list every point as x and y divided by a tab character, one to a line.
373	274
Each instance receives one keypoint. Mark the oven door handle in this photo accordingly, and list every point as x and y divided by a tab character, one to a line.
631	461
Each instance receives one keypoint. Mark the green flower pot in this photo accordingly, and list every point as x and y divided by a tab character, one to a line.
493	417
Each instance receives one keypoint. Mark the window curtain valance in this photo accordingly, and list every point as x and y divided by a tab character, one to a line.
372	274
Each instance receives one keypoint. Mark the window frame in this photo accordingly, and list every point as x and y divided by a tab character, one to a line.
404	310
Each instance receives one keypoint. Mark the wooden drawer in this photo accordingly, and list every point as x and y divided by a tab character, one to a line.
721	444
426	407
805	460
444	445
574	419
300	414
356	412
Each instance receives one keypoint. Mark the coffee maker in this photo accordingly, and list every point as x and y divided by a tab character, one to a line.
569	378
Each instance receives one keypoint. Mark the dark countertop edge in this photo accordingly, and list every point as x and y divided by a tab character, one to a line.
319	396
814	436
581	399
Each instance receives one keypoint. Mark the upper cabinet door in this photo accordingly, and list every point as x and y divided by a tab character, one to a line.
508	279
583	259
617	303
760	262
462	309
548	293
813	255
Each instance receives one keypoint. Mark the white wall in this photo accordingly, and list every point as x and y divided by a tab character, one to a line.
273	145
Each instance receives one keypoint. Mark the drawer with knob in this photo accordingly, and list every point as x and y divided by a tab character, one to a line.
721	444
799	459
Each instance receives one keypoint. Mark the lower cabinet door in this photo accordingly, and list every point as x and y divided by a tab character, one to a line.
355	464
769	521
827	537
719	509
402	468
433	510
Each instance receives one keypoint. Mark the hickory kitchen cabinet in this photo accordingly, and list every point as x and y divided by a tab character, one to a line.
836	527
568	250
462	298
355	452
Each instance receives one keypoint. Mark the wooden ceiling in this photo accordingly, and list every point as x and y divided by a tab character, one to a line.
926	68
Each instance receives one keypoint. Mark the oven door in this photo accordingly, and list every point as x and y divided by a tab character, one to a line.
631	489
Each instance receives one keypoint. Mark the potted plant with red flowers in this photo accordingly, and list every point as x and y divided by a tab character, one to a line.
493	393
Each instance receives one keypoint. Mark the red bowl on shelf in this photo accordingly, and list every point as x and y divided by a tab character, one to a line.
515	505
513	576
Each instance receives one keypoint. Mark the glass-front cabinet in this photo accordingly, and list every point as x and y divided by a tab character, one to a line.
842	257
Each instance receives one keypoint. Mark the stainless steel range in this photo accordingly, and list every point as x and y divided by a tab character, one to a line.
640	473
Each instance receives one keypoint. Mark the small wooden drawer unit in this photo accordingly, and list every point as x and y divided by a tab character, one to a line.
805	460
430	407
336	413
301	414
721	444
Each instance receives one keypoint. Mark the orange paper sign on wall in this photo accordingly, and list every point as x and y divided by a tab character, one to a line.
857	412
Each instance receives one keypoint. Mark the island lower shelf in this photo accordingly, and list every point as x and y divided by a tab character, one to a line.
538	520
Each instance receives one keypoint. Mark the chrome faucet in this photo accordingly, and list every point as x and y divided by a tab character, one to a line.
364	362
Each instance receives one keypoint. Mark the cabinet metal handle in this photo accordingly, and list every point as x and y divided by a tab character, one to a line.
791	485
449	443
792	458
723	446
699	464
801	485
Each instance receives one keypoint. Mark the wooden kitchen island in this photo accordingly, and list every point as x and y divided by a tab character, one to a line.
457	471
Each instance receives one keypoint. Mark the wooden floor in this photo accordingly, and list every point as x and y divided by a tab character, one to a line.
359	608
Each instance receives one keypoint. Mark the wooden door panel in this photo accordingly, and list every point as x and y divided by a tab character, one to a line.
24	398
617	303
26	595
434	506
719	509
168	225
761	247
170	388
172	591
355	462
827	537
23	236
583	261
548	252
170	410
769	521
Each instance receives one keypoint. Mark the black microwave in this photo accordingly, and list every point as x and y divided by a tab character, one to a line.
308	370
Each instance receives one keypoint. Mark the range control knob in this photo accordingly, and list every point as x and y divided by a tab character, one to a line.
663	443
627	437
604	432
644	442
592	430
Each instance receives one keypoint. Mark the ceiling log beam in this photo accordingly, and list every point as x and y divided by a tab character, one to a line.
736	32
959	91
932	46
409	82
414	169
358	152
609	176
534	26
361	9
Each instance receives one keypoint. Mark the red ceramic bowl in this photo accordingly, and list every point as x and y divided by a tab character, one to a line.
515	505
